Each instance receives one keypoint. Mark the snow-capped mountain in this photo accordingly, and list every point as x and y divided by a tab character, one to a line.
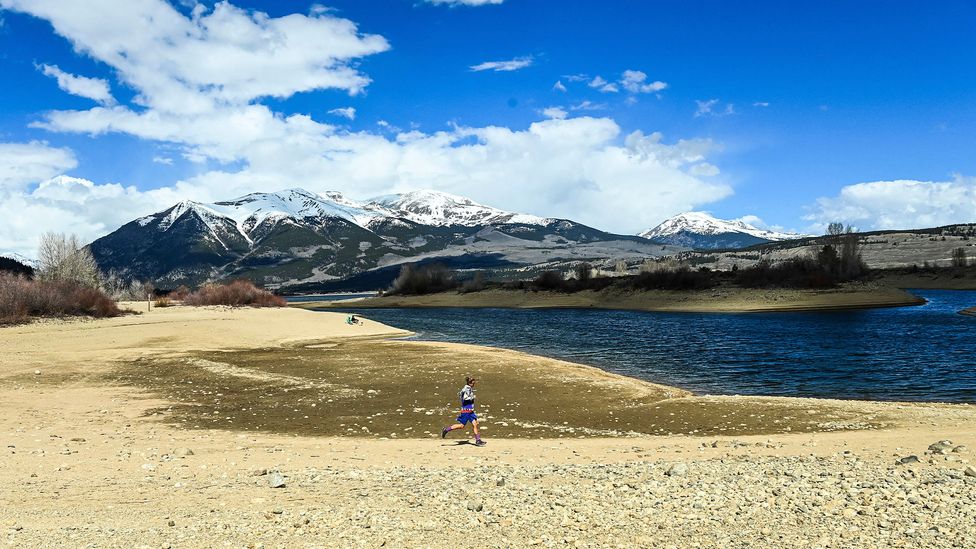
442	209
700	230
295	237
32	263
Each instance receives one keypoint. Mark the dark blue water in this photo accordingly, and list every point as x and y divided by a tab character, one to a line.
925	353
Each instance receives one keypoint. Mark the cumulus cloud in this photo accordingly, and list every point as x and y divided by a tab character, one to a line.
95	89
601	84
554	112
24	163
347	112
225	55
636	82
899	204
712	107
559	86
465	2
200	81
504	66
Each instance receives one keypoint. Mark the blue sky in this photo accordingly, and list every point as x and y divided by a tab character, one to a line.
794	112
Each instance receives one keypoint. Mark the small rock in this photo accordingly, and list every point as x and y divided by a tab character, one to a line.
474	505
37	372
500	481
77	439
259	472
970	472
182	452
276	480
677	470
941	447
171	523
908	459
959	449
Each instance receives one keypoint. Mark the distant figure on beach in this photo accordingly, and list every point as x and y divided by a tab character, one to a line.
467	412
351	319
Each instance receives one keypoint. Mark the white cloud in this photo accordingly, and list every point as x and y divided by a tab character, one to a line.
761	104
581	168
558	86
704	169
347	112
554	112
504	66
92	88
588	106
899	204
227	55
24	163
465	2
708	108
636	82
601	84
163	160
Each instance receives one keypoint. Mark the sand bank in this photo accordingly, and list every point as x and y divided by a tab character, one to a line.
722	300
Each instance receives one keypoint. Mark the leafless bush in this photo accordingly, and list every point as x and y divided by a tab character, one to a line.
163	302
21	299
422	280
239	293
121	289
62	258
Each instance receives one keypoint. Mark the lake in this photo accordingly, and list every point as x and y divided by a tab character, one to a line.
924	353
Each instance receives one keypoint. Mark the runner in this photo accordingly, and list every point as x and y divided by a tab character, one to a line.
467	412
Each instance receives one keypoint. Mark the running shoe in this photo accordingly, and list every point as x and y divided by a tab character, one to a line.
480	443
444	432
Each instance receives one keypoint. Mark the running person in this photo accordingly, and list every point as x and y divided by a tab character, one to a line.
467	412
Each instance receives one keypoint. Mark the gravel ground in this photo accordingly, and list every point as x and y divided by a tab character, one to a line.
742	500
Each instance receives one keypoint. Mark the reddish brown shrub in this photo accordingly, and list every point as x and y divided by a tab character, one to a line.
239	293
22	299
179	294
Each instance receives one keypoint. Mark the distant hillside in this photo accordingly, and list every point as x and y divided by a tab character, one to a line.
9	265
880	249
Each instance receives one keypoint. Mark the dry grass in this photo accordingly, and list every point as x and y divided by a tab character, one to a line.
22	299
239	293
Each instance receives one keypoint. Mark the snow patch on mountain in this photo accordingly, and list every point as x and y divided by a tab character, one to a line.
443	209
701	223
33	263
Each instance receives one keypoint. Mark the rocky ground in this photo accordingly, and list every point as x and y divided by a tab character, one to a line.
723	493
86	461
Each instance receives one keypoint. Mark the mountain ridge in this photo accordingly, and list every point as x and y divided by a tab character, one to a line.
700	230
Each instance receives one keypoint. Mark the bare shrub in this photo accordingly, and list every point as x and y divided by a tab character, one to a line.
549	280
681	278
959	258
163	302
62	258
475	284
22	299
427	279
179	294
239	293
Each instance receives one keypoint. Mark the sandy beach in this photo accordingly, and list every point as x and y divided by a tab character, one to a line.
166	429
719	300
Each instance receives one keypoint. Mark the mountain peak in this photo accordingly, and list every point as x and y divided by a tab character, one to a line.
703	230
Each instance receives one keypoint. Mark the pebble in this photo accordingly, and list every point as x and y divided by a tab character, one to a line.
276	480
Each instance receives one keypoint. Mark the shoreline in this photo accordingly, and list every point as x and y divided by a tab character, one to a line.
725	300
